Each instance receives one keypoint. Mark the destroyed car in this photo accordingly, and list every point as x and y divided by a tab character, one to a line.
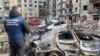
68	43
88	46
56	43
57	25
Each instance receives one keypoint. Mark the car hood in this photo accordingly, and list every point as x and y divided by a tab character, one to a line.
89	46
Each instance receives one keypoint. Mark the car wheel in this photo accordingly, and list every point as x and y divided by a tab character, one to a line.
55	53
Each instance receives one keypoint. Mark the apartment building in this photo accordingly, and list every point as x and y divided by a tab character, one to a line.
32	8
94	9
86	9
52	8
29	8
5	6
63	9
1	9
43	11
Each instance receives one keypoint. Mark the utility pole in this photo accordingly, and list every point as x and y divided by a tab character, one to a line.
80	9
50	8
71	13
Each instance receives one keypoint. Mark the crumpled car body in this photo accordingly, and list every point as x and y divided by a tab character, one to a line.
68	43
54	41
88	45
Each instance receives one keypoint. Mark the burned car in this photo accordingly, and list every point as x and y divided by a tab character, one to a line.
67	42
88	45
56	43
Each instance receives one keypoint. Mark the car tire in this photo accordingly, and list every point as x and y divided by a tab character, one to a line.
55	53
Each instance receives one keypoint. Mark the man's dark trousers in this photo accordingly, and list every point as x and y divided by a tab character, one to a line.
17	49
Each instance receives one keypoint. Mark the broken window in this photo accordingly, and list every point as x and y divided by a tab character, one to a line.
85	7
76	1
95	17
24	0
76	9
65	35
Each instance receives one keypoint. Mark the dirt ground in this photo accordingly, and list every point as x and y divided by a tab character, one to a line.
4	54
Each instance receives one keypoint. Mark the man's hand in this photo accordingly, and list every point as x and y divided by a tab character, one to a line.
30	35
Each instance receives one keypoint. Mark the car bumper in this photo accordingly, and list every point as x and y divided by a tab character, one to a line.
91	53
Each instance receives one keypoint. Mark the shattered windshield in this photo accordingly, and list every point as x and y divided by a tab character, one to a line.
83	36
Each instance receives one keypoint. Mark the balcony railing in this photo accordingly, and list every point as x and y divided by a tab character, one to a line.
94	1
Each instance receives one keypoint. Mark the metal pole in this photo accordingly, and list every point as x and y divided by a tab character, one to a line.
51	8
80	8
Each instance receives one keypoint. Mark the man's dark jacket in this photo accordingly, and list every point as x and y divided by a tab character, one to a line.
16	28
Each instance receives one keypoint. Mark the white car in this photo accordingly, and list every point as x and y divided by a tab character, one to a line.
88	45
57	25
56	43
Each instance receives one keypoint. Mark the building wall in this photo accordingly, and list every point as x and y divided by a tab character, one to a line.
1	9
12	3
52	8
76	5
80	4
5	7
62	9
29	8
85	13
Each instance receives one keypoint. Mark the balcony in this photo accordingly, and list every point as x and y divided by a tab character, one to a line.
95	1
69	5
61	9
6	5
63	2
91	11
62	15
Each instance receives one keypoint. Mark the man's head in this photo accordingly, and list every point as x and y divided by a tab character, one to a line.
17	8
15	12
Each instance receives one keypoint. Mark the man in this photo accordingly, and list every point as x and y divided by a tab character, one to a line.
16	28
